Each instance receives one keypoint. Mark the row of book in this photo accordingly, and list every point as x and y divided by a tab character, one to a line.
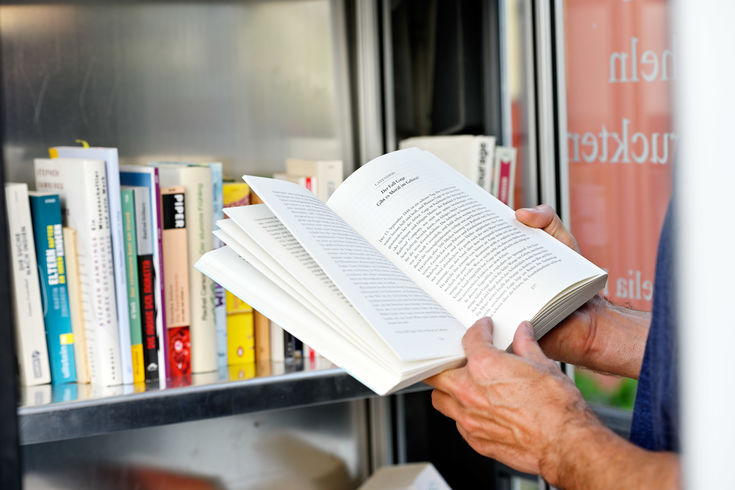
104	291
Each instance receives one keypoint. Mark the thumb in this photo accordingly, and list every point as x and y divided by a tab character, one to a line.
525	345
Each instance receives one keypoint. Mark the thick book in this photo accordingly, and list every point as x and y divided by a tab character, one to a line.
127	199
197	181
150	267
471	155
82	188
112	179
176	280
385	278
30	335
76	310
50	252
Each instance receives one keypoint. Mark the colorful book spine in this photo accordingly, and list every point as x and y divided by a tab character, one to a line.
147	177
112	181
176	281
82	187
220	311
127	200
76	311
49	240
146	282
240	338
30	334
197	180
505	173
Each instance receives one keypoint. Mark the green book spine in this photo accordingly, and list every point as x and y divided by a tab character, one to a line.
127	199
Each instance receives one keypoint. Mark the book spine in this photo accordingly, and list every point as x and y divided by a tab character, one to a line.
158	292
82	186
29	327
262	334
505	169
220	311
198	183
117	244
240	339
277	341
76	311
176	280
146	281
47	230
127	200
484	151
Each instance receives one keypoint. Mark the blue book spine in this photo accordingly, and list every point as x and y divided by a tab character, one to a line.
47	230
220	311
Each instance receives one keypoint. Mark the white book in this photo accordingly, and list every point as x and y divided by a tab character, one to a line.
385	278
30	334
278	347
82	188
471	155
197	181
109	156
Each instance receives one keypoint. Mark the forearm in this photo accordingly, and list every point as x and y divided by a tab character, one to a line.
613	342
592	456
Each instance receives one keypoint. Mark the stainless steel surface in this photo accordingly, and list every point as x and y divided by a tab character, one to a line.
560	71
249	83
370	113
381	433
545	95
524	12
391	142
506	137
82	418
316	447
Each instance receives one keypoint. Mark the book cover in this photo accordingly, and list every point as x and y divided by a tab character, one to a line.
328	174
127	199
82	188
262	337
30	335
112	179
197	181
50	251
155	346
505	174
76	311
176	280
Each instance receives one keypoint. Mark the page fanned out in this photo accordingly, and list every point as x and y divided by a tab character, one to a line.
409	320
457	242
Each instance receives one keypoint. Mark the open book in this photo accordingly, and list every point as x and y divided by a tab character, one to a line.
384	279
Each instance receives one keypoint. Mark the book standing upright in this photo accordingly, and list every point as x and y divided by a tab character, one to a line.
30	334
50	252
112	179
82	188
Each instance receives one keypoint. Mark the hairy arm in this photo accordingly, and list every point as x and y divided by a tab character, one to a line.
520	409
600	336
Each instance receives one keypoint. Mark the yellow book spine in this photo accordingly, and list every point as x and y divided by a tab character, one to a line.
240	339
138	364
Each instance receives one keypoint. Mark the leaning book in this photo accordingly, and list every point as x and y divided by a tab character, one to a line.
385	278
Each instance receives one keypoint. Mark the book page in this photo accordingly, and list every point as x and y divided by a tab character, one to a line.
411	322
456	241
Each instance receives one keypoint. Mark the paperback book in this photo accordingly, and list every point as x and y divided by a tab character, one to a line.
385	278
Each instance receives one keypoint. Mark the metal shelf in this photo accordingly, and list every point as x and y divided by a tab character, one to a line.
98	414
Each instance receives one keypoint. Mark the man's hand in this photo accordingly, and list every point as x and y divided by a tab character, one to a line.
522	411
598	335
511	407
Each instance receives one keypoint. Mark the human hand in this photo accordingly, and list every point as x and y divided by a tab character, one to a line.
570	340
514	408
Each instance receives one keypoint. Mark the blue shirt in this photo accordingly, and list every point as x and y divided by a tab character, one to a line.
656	413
